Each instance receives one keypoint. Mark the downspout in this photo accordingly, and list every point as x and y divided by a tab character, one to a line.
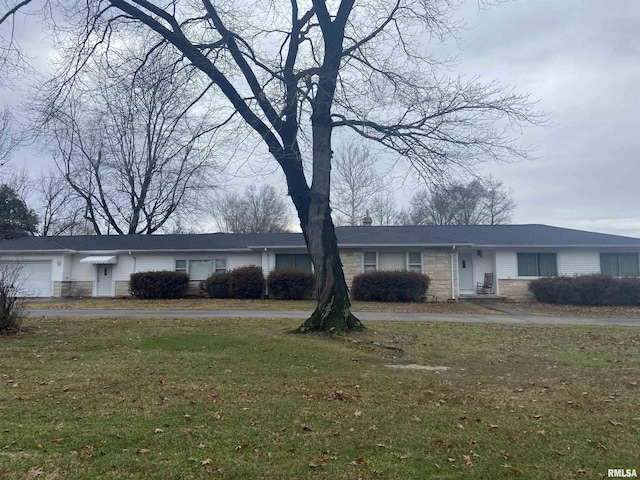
135	262
266	287
453	289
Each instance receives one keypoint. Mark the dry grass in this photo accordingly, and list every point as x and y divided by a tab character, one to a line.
233	304
577	310
192	398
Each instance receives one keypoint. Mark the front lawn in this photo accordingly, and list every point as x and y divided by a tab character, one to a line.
88	398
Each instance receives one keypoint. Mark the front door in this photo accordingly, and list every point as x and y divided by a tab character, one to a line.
104	286
465	271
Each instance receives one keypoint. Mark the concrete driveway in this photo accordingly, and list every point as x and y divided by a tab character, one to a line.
507	318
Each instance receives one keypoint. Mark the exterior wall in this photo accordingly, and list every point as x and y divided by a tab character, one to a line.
437	265
515	289
122	288
73	289
351	264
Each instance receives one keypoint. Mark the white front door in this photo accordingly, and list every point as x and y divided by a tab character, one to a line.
104	286
465	271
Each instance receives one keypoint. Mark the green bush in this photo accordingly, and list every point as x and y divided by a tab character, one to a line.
593	289
159	284
242	282
290	284
393	286
217	285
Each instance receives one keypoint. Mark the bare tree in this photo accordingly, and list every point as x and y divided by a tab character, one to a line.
318	66
12	304
355	182
383	210
9	139
61	211
474	203
134	138
257	210
499	202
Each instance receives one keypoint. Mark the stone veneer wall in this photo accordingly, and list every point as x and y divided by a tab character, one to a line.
515	289
437	265
122	288
72	289
351	264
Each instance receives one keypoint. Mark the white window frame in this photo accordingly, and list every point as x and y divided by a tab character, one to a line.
407	265
187	261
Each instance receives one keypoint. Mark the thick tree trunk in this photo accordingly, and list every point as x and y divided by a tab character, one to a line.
333	311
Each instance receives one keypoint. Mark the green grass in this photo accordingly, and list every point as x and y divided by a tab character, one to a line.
192	398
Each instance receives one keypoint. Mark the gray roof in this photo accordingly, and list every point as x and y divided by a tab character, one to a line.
431	235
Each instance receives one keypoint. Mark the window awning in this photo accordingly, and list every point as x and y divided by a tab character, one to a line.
101	260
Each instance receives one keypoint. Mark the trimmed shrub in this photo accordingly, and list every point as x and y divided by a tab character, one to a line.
217	285
593	290
242	282
159	284
392	286
247	282
290	284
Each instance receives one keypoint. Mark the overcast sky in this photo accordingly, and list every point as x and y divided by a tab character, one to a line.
581	60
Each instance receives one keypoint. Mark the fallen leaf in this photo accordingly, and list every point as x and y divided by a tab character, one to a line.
143	450
316	463
467	461
513	469
213	398
306	429
615	424
36	471
541	432
505	454
202	445
358	413
158	430
58	441
359	461
206	461
493	427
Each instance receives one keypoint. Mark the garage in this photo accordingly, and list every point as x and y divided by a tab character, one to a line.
34	279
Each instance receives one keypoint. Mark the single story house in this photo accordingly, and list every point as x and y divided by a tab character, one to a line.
456	258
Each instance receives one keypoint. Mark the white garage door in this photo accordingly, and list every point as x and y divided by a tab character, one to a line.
35	279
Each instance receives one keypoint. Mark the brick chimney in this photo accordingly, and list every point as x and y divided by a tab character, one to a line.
367	221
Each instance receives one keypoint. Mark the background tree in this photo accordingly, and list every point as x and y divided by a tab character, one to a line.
257	210
61	209
16	219
134	138
472	203
383	210
318	66
355	183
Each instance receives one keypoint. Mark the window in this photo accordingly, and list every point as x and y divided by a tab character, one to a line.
201	269
620	264
299	261
370	261
373	261
221	265
537	265
415	262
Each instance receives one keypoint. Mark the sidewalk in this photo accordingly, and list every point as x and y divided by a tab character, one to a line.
513	317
